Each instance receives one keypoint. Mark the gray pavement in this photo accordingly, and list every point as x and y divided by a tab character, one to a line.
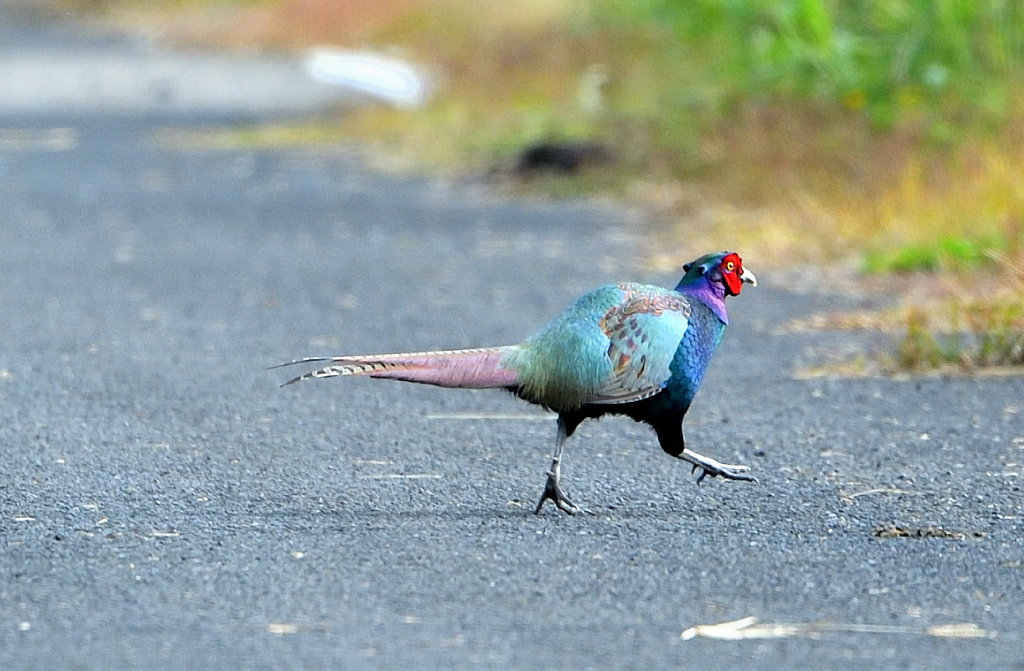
55	70
163	505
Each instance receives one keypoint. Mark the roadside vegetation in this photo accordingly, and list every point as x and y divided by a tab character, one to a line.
884	135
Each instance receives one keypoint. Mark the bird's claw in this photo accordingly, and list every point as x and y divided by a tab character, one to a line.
554	492
715	469
727	471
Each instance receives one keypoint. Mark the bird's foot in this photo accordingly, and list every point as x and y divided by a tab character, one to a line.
554	492
715	468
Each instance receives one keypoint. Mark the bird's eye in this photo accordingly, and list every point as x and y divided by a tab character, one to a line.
730	266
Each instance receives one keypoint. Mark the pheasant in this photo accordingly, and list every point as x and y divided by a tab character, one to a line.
622	349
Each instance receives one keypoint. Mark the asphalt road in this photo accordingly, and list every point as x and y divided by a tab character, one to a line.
48	69
164	505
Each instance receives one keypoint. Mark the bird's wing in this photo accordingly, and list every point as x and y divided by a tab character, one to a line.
644	331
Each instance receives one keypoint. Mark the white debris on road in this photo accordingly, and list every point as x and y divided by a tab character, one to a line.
384	78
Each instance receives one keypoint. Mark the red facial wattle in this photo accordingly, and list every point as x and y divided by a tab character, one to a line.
732	268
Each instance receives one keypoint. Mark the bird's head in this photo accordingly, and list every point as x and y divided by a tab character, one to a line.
725	270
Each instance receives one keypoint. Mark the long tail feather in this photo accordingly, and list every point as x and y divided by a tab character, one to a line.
308	359
464	368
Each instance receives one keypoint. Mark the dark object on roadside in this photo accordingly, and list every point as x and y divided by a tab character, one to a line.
564	158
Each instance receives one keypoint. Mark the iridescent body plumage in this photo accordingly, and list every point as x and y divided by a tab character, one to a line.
628	349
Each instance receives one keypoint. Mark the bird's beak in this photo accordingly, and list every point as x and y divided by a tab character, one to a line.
748	277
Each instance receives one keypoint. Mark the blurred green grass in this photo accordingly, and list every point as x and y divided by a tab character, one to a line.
945	60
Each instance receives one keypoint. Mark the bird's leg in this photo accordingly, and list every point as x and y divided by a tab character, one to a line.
551	489
714	468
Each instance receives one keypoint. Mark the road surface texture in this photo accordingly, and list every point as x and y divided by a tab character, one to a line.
164	505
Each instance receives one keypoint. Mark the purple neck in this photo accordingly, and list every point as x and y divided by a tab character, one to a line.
711	294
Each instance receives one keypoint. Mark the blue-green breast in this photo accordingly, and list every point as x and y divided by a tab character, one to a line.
691	360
